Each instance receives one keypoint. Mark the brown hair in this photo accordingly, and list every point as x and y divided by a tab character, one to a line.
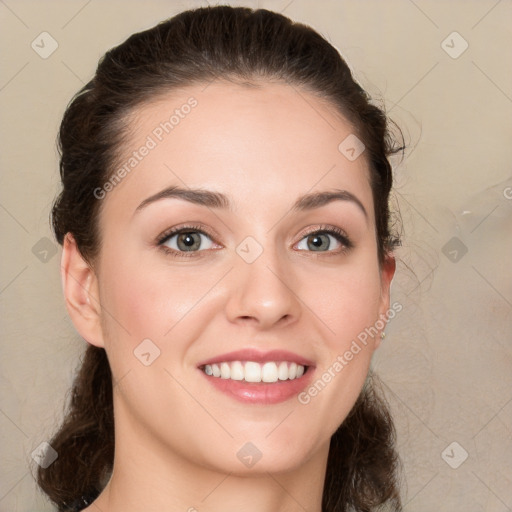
198	46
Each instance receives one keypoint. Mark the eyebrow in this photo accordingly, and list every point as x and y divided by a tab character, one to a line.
212	199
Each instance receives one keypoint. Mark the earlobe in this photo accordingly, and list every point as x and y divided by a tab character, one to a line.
387	272
80	287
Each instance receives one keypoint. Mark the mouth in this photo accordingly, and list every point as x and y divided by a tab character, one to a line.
254	372
255	377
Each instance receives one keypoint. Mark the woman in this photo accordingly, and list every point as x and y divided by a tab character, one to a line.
227	256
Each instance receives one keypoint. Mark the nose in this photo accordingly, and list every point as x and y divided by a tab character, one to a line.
262	293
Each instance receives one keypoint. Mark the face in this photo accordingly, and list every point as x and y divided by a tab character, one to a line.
218	246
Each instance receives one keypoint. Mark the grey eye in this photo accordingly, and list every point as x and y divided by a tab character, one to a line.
187	241
318	242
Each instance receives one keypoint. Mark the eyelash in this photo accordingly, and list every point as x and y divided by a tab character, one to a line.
337	233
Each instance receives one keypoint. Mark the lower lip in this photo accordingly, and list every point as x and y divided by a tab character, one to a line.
261	392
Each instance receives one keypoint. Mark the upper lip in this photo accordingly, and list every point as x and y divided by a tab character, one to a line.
258	356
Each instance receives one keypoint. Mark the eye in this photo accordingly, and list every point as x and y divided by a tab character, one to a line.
187	239
323	240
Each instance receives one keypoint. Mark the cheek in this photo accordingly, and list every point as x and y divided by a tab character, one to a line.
347	301
349	312
145	300
348	309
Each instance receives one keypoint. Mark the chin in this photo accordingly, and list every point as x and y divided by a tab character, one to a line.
250	458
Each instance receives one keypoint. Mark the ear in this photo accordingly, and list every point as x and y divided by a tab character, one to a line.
80	287
387	272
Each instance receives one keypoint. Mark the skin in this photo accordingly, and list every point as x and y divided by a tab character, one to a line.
177	437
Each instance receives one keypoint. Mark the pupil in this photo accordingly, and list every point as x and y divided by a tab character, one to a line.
316	241
187	240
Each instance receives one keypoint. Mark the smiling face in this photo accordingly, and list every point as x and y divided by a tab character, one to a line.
277	251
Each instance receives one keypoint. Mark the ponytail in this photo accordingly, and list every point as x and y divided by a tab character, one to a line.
85	441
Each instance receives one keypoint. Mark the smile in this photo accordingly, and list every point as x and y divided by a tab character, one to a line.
251	371
252	376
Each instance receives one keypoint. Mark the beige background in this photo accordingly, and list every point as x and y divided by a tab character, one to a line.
447	358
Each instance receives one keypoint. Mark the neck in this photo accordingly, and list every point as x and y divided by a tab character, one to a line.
149	477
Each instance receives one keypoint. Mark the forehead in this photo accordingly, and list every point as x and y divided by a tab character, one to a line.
271	142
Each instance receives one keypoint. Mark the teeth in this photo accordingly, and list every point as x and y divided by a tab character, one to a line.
225	372
237	371
269	372
251	371
292	371
283	371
